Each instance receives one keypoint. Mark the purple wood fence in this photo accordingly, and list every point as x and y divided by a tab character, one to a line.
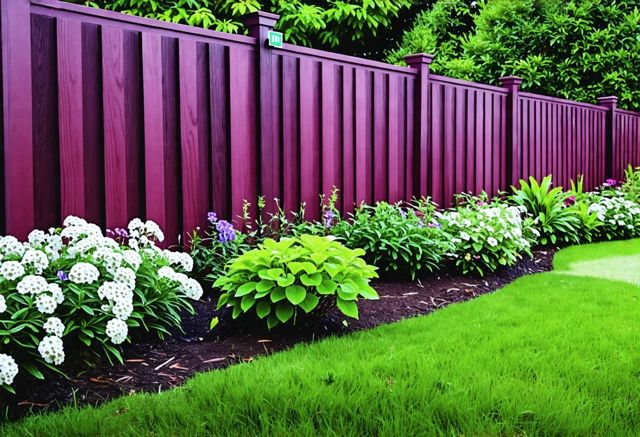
110	116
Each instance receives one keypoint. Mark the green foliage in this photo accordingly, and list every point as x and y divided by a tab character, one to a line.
576	49
396	238
309	272
631	185
553	218
487	235
619	217
322	24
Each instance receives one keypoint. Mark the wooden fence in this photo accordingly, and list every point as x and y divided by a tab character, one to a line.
110	116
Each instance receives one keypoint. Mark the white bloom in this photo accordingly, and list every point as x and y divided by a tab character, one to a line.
8	369
54	326
167	272
36	259
122	309
117	331
37	238
154	230
3	304
115	291
56	292
192	289
464	236
11	270
132	258
125	275
32	284
46	304
51	350
84	273
492	241
74	221
136	225
181	259
9	245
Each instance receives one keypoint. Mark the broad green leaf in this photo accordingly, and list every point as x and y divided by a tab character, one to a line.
264	285
309	303
348	307
278	294
287	280
295	294
311	280
246	289
284	311
247	302
213	323
263	309
327	287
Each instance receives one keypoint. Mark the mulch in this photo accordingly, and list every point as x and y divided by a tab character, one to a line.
152	366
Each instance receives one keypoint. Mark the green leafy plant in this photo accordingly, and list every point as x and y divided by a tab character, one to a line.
487	235
580	202
309	273
631	185
396	238
619	217
553	217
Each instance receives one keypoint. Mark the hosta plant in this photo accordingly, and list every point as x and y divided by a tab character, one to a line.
72	291
396	238
619	217
553	217
487	235
279	280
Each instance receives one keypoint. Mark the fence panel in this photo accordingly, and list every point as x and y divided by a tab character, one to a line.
626	144
562	138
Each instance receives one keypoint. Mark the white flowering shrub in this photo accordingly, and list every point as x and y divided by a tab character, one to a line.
487	235
73	288
619	216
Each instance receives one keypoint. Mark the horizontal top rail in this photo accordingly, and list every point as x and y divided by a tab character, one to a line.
69	10
627	112
337	57
466	83
561	101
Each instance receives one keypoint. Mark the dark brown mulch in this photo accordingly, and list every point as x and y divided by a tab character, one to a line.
155	366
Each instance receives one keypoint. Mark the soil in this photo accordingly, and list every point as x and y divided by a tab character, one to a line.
153	366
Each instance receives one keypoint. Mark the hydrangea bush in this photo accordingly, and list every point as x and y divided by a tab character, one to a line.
619	217
487	235
73	286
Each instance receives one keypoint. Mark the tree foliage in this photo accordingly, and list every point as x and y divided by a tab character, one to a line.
335	24
577	49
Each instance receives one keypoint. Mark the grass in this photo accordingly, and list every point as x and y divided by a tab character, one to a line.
549	354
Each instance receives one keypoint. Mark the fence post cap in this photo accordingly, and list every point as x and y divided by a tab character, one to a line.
510	80
260	18
418	59
608	100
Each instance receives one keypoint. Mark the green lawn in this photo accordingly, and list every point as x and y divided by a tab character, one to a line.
552	353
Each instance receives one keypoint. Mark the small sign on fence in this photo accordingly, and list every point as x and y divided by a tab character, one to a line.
275	39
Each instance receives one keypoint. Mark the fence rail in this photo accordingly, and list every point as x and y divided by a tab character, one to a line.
111	116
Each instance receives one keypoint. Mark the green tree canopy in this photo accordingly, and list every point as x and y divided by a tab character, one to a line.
577	49
363	27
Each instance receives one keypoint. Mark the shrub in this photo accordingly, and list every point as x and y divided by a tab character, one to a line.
309	272
76	284
487	235
579	201
620	217
395	238
631	184
550	207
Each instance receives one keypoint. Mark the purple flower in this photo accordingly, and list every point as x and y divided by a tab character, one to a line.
328	218
62	275
226	232
434	225
403	213
481	203
611	183
212	217
571	200
122	233
420	224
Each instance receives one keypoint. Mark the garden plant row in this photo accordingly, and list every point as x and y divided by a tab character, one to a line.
77	291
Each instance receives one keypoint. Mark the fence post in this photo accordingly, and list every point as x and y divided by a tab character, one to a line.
611	103
420	62
259	25
513	161
19	188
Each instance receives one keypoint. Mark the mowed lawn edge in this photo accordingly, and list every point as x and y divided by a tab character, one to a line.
548	354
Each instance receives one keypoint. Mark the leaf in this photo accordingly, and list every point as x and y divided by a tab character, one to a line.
295	294
278	294
272	321
247	302
348	307
285	281
33	370
327	287
264	285
246	289
263	308
284	311
311	280
213	323
309	303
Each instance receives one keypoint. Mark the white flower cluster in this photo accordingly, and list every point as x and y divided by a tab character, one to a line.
189	286
620	217
79	254
8	369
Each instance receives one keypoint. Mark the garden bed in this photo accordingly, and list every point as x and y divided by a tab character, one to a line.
158	366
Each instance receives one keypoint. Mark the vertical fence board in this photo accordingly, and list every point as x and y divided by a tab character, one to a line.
290	153
310	173
220	157
396	155
348	144
380	138
363	155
